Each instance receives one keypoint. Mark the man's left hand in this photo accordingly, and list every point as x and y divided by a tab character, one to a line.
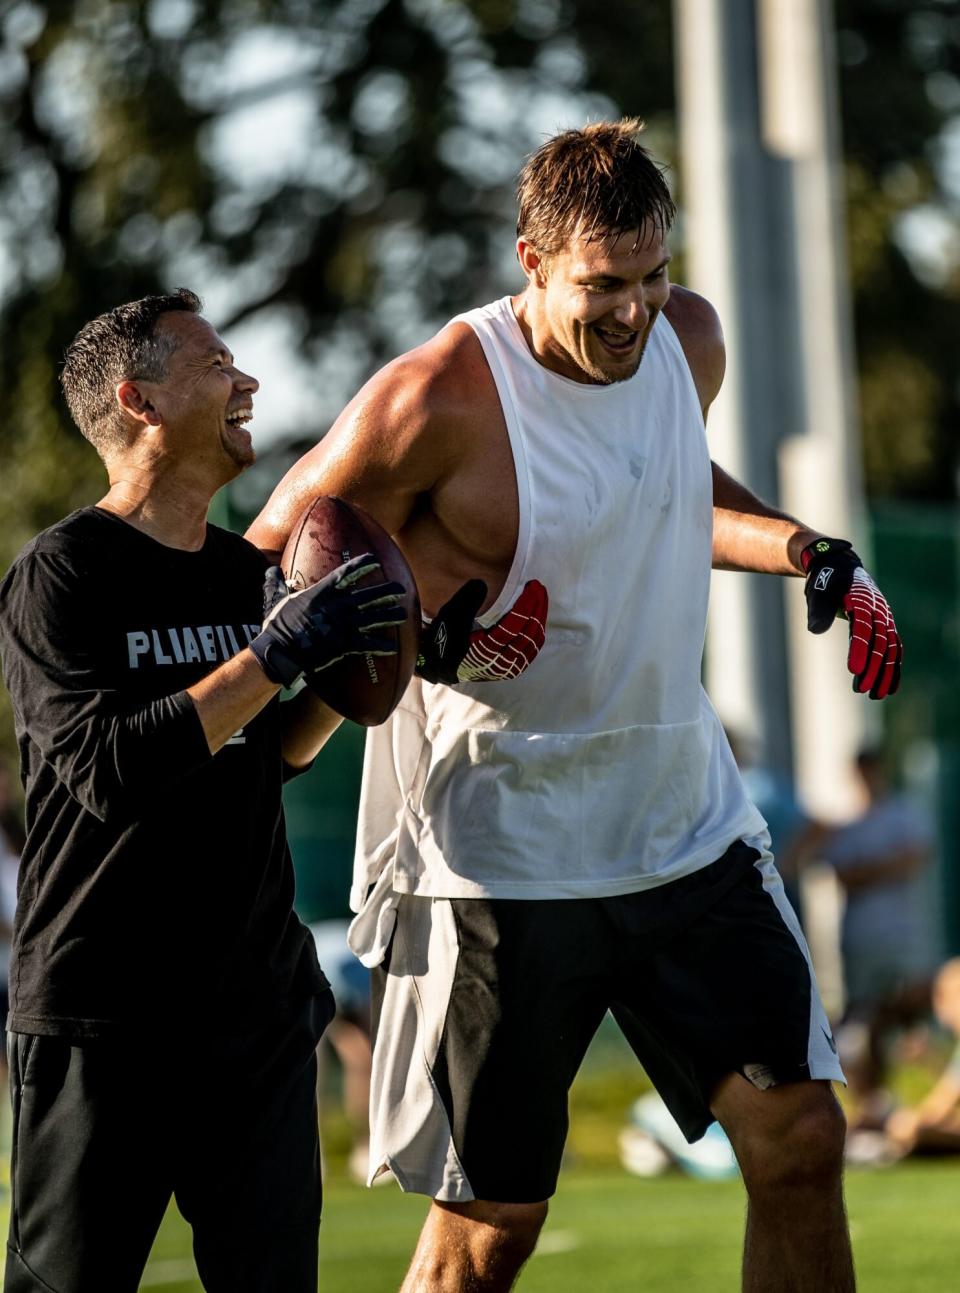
837	584
454	648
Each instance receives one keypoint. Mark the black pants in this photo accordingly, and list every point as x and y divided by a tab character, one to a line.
105	1133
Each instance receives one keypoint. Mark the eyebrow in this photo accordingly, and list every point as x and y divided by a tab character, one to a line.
219	352
607	277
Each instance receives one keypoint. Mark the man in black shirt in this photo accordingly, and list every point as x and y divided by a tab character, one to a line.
165	1000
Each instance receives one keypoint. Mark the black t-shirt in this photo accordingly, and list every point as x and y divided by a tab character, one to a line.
156	886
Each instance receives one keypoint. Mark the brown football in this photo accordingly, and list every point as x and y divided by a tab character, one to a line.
363	688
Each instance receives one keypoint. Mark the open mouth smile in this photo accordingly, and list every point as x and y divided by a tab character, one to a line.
618	342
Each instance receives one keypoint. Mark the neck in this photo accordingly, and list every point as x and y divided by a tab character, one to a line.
526	315
540	342
172	511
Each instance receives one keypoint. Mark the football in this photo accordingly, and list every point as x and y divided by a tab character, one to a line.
363	688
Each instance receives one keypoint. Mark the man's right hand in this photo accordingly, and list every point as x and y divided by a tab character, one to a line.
309	630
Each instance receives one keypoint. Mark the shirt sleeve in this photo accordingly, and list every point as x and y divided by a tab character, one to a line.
111	752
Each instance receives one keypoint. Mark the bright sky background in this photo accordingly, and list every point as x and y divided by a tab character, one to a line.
272	135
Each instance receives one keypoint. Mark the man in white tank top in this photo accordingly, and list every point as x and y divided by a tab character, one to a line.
552	825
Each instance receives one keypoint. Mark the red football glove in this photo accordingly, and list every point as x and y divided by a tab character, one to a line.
513	643
452	650
837	584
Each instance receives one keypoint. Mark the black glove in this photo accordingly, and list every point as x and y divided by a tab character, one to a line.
446	639
306	631
837	584
455	649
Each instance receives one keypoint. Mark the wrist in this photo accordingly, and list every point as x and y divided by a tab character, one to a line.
800	548
274	661
823	549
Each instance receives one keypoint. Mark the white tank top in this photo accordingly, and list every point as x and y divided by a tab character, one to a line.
603	769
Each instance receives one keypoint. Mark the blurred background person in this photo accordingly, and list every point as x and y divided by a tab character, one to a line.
933	1125
348	1037
887	943
335	180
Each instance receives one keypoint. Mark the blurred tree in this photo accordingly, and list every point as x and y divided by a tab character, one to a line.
900	109
344	168
344	165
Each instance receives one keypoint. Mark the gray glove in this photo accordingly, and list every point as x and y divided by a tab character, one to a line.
309	630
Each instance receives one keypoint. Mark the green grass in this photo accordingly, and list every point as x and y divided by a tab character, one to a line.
613	1233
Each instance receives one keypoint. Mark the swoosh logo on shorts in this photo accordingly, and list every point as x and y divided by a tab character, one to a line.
830	1041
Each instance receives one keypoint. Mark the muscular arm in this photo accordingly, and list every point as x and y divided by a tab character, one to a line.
750	535
424	449
747	533
386	448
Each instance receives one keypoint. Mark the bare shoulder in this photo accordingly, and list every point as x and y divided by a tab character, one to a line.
449	373
698	329
421	394
398	436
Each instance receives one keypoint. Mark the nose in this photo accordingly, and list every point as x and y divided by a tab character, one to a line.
244	382
633	311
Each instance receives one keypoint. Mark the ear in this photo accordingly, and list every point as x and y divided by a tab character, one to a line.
532	264
133	400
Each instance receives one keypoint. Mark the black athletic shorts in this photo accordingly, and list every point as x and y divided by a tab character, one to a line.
105	1132
485	1009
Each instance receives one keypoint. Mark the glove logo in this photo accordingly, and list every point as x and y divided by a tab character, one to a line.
440	641
823	578
822	546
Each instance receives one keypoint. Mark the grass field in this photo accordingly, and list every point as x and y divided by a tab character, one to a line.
616	1234
612	1233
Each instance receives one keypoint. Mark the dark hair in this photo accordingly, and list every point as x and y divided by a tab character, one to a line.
594	181
121	345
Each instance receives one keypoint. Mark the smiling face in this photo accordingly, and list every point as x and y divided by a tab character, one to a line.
589	309
204	400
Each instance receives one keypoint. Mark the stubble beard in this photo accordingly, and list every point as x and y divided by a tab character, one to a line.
241	455
604	377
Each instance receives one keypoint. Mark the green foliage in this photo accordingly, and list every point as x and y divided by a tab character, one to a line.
123	171
133	158
899	76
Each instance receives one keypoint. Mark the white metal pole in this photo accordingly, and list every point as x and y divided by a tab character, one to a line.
763	242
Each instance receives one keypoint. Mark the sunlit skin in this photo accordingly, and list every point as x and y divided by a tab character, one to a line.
196	403
203	387
185	434
589	309
186	439
425	448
